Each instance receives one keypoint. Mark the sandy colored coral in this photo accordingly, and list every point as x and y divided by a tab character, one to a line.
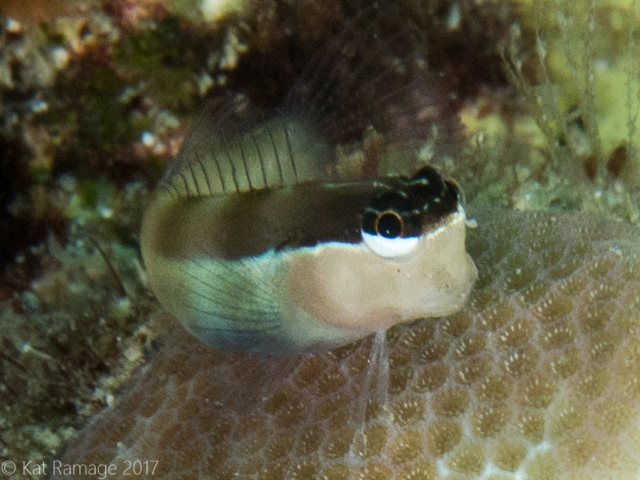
536	379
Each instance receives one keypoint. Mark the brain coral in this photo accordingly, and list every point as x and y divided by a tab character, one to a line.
536	379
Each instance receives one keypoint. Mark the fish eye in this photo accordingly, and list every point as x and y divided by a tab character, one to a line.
389	225
386	239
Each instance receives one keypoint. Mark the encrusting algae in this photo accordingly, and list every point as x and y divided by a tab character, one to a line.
536	378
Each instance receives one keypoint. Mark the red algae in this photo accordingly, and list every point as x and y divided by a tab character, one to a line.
536	378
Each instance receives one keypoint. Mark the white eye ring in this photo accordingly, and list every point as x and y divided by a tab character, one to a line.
390	247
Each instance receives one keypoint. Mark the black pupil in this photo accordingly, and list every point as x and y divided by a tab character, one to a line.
389	225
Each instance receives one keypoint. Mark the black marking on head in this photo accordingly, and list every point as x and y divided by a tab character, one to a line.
397	201
419	203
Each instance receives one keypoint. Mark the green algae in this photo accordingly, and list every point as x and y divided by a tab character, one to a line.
164	58
103	119
151	49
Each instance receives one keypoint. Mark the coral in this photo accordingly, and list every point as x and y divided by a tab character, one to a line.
536	378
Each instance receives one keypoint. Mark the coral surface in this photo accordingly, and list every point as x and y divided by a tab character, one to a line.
536	379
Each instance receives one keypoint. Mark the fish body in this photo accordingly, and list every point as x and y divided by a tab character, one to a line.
255	241
292	267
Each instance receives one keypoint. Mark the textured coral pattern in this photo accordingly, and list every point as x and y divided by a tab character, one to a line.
538	378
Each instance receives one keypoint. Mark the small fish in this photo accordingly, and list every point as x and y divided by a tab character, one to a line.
254	242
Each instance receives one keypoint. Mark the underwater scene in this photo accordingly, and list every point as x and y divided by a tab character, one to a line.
340	239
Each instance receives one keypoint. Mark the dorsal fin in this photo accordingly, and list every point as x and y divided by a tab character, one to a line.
233	147
370	76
